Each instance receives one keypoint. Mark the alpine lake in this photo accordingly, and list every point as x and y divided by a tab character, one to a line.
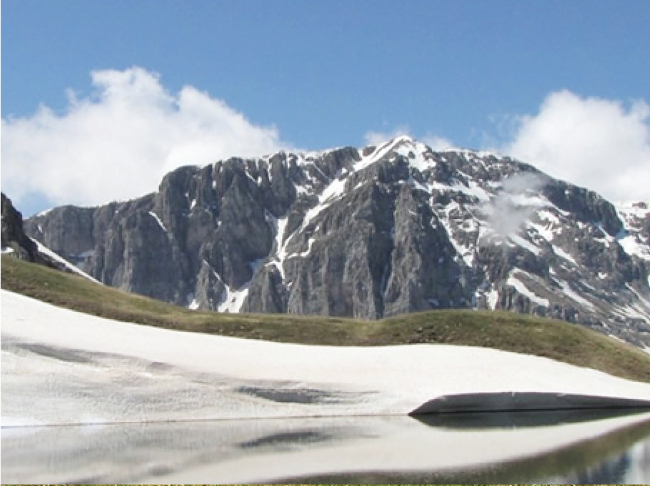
571	446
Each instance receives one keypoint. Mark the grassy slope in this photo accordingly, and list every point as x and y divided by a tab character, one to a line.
501	330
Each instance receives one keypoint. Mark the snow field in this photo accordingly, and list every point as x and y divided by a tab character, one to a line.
341	380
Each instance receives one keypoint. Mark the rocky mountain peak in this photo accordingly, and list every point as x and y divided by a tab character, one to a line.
369	233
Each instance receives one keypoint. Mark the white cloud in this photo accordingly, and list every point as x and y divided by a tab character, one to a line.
119	142
438	143
377	138
505	212
600	144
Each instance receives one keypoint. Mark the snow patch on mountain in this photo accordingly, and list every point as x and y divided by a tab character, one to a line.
573	295
514	281
158	220
233	299
634	247
280	244
563	254
516	240
57	258
633	239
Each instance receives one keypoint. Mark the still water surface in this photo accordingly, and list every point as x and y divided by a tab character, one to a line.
531	447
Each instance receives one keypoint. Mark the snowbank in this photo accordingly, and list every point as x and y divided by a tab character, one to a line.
60	366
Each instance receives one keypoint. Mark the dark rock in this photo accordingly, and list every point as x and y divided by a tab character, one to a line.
14	238
16	242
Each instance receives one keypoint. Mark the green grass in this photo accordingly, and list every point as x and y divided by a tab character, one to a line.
500	330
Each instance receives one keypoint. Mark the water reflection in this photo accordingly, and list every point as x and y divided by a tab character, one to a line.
532	447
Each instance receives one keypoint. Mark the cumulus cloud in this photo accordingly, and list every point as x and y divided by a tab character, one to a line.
118	142
597	143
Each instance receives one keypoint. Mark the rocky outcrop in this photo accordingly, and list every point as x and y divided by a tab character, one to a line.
370	233
16	243
14	239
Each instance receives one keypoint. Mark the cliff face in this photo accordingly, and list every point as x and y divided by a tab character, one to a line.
370	233
14	239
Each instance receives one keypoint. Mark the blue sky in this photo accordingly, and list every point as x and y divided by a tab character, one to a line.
313	74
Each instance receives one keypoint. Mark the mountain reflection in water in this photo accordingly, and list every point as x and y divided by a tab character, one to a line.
587	446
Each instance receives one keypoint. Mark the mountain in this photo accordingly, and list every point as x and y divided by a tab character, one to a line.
370	233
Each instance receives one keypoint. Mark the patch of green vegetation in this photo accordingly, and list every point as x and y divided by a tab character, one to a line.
520	333
559	340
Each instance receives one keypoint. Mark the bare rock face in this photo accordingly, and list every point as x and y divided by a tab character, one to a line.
14	239
370	233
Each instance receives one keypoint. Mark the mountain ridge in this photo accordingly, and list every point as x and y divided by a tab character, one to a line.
370	233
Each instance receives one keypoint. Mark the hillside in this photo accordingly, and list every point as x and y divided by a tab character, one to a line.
499	330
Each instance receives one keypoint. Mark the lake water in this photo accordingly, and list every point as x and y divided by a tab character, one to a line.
531	447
